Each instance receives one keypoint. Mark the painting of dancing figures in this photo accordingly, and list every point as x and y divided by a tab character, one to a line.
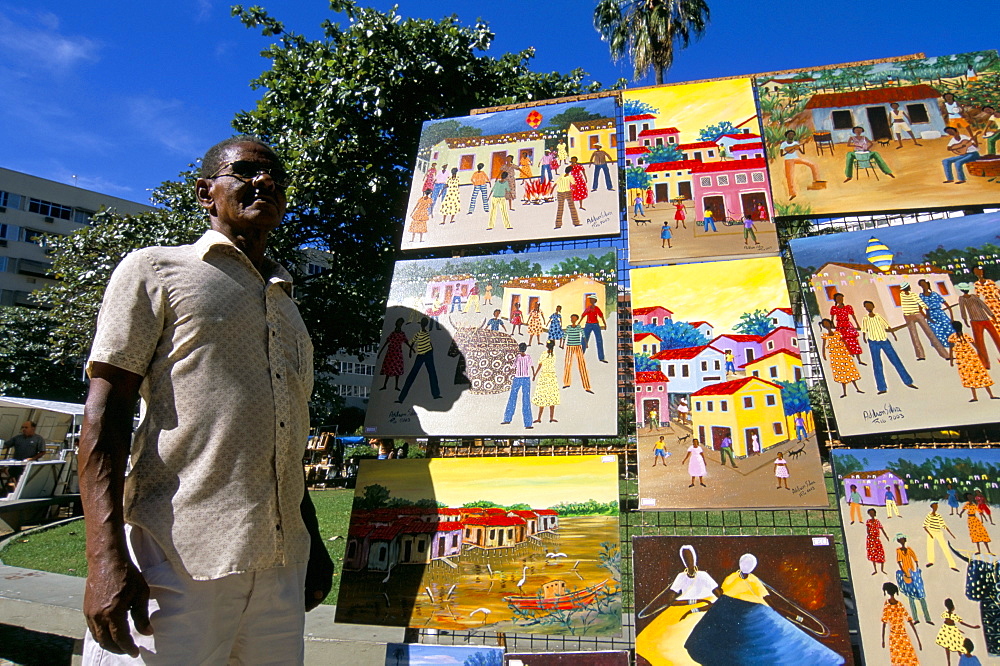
514	345
739	601
548	171
907	321
919	532
722	408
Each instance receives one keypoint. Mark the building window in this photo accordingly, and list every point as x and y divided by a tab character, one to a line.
659	389
770	400
685	371
314	269
9	231
711	153
917	113
741	179
773	371
613	140
842	120
724	405
718	365
593	141
747	402
649	389
10	200
466	162
697	405
670	371
81	216
798	373
704	366
778	428
706	181
723	181
710	405
942	288
32	236
49	209
3	264
757	176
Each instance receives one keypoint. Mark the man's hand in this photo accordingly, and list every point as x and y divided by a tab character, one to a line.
319	574
115	589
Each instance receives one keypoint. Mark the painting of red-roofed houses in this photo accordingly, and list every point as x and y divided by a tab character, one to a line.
462	372
494	177
526	545
906	322
696	173
909	133
722	408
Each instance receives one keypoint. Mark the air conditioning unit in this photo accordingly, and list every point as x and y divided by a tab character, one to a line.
49	219
3	209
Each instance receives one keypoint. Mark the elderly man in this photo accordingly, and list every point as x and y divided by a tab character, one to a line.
225	549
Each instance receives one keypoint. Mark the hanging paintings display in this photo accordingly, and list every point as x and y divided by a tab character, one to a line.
514	345
739	601
910	134
567	659
918	526
526	545
417	654
696	177
722	410
543	172
906	321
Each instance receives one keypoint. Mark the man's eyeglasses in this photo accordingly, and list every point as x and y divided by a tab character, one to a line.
246	171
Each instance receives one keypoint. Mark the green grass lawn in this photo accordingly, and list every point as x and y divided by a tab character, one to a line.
61	549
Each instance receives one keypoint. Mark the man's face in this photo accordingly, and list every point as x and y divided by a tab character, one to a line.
27	429
257	203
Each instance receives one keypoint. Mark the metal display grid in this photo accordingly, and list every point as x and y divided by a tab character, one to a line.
703	523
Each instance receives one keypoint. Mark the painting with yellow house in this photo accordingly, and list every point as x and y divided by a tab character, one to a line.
722	407
540	172
524	544
696	177
907	322
511	345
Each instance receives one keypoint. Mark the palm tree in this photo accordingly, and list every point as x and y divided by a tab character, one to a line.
648	30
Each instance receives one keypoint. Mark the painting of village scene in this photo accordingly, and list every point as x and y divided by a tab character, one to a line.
739	600
567	659
514	345
525	545
696	177
417	654
918	526
722	408
549	171
907	321
909	134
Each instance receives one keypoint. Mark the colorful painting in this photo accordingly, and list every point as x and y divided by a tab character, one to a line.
739	601
416	654
568	659
524	545
910	134
906	319
696	177
918	526
549	171
722	407
514	345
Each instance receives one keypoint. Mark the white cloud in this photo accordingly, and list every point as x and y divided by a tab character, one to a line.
161	120
33	41
204	10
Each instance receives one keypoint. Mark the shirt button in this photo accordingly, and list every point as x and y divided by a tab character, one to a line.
282	424
277	375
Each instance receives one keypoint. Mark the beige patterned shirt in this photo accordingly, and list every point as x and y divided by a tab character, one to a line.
226	362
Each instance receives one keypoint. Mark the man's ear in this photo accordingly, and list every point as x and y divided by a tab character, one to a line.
203	192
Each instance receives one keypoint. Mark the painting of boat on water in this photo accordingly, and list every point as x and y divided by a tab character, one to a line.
524	545
416	654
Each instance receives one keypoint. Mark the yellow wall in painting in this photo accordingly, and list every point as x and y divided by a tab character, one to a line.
584	136
732	411
784	365
692	106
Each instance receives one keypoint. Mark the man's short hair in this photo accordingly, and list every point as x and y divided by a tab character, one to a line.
212	161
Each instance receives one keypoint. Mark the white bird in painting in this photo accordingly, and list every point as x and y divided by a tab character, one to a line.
430	594
490	569
485	611
450	590
554	555
524	577
388	573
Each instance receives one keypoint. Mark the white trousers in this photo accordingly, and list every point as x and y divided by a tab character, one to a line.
249	618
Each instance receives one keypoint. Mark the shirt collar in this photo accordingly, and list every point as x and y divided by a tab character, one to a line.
273	272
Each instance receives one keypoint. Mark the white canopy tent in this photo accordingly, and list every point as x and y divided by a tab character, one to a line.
55	420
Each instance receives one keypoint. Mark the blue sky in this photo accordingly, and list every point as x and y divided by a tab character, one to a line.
125	95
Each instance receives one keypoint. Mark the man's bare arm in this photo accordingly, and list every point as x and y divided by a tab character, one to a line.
319	571
114	585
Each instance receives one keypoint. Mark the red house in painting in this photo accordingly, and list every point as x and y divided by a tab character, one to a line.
651	394
654	316
731	188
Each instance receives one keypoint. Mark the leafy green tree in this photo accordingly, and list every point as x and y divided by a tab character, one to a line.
481	504
649	30
374	497
674	334
574	114
344	112
25	371
754	323
633	107
446	129
665	153
713	132
636	178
